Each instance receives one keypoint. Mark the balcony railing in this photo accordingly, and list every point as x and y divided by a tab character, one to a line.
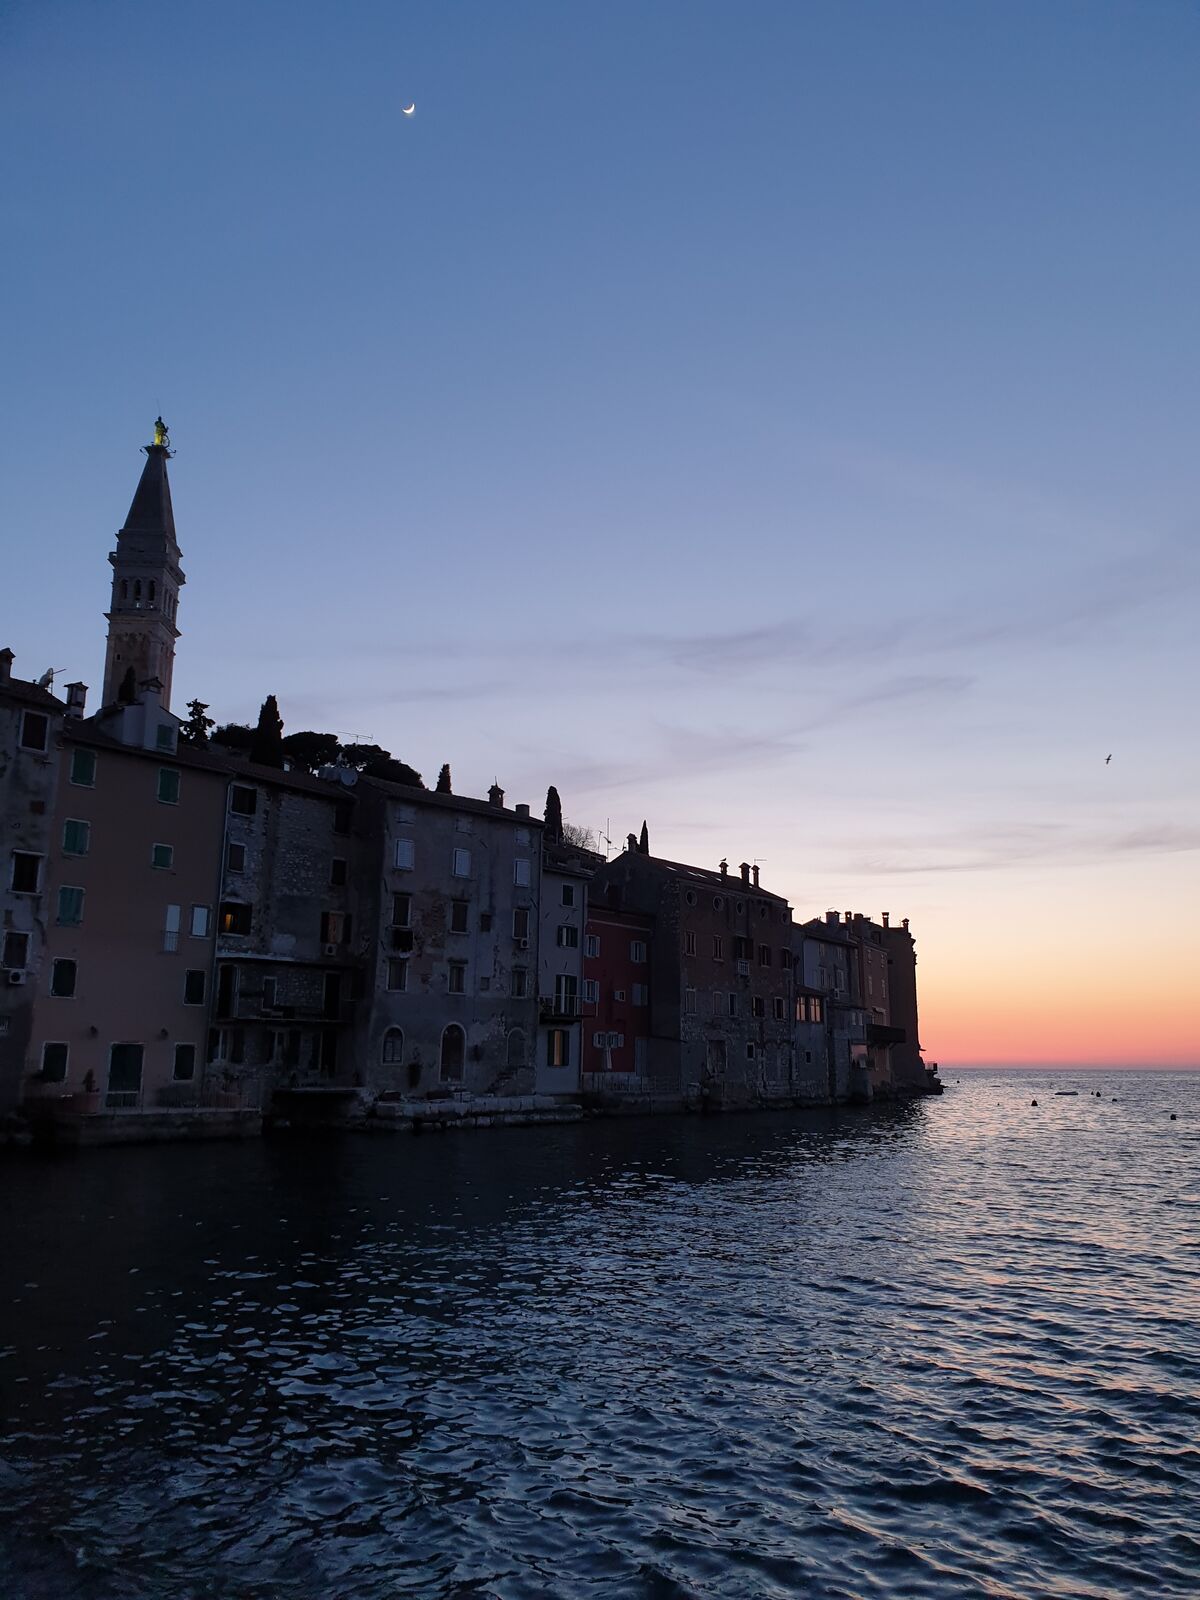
564	1007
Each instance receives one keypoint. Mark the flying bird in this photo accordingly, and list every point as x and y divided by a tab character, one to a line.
1107	759
408	110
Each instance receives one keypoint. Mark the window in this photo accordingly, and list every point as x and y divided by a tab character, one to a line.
401	910
460	862
558	1047
743	949
637	950
520	982
592	945
750	1050
718	947
62	979
54	1062
566	995
619	994
16	949
689	1002
335	927
243	800
404	855
591	990
168	786
236	918
393	1047
76	837
520	873
235	857
200	922
521	836
614	1041
460	911
718	1002
26	872
814	1009
456	982
171	928
454	1045
337	873
641	995
568	894
764	955
731	1003
35	731
567	936
521	924
397	975
485	922
639	1055
343	816
164	737
194	986
83	768
185	1062
70	907
777	1005
162	856
689	944
758	1006
125	1073
516	1055
270	994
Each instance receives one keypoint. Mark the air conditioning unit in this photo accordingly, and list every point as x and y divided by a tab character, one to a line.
522	944
329	949
15	977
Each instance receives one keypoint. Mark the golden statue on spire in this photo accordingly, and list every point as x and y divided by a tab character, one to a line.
161	437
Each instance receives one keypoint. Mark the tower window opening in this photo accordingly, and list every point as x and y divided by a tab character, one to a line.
153	590
124	589
137	591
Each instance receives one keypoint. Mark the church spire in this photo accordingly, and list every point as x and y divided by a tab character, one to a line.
147	577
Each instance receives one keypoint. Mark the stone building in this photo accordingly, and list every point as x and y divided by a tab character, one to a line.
909	1072
563	1005
826	968
617	997
289	954
31	721
452	920
719	975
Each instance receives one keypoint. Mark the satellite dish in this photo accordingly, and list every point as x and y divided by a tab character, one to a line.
348	776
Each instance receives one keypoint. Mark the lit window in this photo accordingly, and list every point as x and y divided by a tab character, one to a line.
558	1048
236	918
162	855
83	768
76	837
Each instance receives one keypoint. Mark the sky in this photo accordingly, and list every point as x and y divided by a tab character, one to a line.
777	422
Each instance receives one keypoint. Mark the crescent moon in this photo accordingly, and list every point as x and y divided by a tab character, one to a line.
408	110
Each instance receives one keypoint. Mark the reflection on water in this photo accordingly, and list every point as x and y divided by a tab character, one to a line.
943	1349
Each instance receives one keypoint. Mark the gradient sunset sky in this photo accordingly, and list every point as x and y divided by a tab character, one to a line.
778	422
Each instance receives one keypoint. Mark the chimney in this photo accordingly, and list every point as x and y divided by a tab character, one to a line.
831	917
6	661
754	876
849	918
495	795
521	810
884	918
76	698
724	867
744	869
904	924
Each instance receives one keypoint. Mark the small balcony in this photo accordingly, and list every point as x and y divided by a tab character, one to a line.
564	1008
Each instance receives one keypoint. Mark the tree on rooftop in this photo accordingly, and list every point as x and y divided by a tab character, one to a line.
443	780
235	736
311	751
581	838
198	726
373	761
553	815
267	749
644	841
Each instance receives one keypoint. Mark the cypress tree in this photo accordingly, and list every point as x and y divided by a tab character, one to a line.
553	815
443	780
267	748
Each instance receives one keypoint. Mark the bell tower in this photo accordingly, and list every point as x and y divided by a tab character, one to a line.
146	582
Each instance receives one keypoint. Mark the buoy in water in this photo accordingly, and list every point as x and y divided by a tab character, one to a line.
1033	1102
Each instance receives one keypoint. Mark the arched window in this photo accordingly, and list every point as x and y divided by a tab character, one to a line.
153	590
393	1046
516	1048
454	1042
124	590
137	591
